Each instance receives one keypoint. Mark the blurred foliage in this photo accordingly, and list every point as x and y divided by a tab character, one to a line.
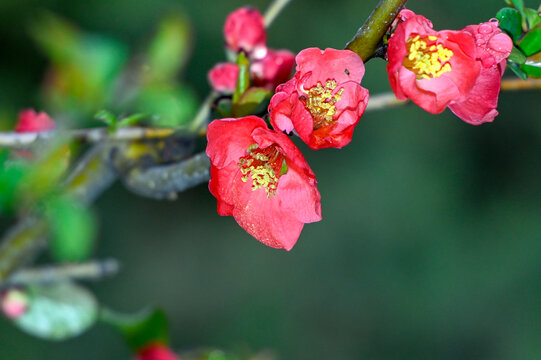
58	311
139	330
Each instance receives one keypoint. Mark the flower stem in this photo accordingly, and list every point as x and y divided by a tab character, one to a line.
366	40
274	10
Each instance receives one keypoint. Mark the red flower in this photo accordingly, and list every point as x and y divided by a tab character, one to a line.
493	47
275	68
244	30
324	100
29	121
260	178
156	351
431	68
223	77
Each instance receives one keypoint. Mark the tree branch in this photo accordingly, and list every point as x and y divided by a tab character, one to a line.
367	38
92	270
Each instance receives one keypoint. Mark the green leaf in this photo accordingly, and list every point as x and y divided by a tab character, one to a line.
141	329
250	101
519	5
45	175
531	42
169	50
73	229
517	70
11	175
532	69
511	22
167	106
58	311
224	108
131	120
243	81
517	56
106	117
532	18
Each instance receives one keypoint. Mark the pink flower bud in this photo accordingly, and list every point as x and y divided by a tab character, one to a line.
275	68
223	77
244	30
14	303
156	351
29	121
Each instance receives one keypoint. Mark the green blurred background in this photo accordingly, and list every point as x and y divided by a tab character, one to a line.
430	242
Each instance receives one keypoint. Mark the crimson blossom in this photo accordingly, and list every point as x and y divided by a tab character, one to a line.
455	69
260	178
324	101
492	49
30	121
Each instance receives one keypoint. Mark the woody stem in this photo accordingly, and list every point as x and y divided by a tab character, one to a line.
366	40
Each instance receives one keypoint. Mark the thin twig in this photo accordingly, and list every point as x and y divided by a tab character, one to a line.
519	84
367	38
274	10
383	101
92	270
23	140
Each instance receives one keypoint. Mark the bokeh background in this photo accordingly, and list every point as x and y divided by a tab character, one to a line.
430	242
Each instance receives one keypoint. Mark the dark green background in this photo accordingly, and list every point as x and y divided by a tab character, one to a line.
430	242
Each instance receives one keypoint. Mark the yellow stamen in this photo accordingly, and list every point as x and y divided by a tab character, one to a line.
321	103
426	58
263	166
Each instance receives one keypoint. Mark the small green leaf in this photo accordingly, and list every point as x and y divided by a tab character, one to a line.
517	70
224	107
106	117
169	49
73	229
531	42
250	101
517	56
519	5
511	22
131	120
532	18
46	173
243	81
532	69
141	329
58	311
11	174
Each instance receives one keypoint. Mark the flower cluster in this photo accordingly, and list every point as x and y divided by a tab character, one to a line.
257	174
244	31
461	69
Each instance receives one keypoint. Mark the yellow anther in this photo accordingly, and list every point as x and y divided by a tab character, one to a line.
321	103
427	60
263	167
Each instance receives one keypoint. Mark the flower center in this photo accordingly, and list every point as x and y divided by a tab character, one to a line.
320	103
426	58
264	167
